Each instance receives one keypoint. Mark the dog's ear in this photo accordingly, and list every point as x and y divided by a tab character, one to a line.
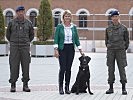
88	58
80	58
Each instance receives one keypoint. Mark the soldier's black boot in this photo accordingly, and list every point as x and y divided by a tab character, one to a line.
67	90
124	92
25	87
111	90
61	89
13	87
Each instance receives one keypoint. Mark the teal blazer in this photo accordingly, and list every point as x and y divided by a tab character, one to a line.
60	36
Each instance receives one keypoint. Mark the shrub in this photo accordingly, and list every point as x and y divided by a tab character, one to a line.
2	27
44	21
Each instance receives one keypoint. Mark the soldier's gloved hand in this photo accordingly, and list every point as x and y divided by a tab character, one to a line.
126	47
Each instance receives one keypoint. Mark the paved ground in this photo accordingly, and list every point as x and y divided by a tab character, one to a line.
44	80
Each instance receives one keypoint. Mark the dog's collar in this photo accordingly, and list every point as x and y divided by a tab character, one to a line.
83	64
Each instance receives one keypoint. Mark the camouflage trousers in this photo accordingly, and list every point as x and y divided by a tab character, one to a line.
120	57
19	55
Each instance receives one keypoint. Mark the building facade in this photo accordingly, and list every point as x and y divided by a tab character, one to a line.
90	16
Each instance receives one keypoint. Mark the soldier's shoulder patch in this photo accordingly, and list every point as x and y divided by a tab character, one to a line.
109	30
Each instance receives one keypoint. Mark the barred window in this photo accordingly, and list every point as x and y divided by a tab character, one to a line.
109	18
132	29
8	17
33	18
57	18
83	19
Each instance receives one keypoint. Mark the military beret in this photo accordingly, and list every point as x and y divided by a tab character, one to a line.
20	8
114	13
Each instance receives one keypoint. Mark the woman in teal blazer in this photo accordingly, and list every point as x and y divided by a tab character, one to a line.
66	37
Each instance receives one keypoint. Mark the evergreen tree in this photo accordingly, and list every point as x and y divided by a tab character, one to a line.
44	21
2	26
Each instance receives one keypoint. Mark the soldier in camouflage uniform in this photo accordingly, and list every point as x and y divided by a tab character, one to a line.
117	42
20	33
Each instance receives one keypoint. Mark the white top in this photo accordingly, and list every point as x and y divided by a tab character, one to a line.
68	35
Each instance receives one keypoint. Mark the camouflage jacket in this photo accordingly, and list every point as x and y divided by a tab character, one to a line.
20	32
117	37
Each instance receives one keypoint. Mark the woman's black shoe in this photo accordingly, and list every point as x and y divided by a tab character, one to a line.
61	90
13	87
67	90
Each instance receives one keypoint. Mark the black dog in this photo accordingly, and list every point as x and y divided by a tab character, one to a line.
83	77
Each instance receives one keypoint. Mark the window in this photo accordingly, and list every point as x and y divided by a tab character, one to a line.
83	19
33	18
109	18
8	17
132	28
57	18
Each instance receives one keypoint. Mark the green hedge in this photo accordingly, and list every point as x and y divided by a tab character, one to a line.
43	42
3	42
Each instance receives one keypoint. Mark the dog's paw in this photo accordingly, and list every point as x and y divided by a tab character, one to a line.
84	91
91	93
77	93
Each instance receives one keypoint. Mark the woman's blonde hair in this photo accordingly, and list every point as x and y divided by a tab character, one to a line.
64	13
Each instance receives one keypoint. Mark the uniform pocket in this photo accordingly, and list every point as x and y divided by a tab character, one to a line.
123	54
121	57
110	54
110	58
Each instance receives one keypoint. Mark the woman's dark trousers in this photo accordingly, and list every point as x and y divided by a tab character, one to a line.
65	60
